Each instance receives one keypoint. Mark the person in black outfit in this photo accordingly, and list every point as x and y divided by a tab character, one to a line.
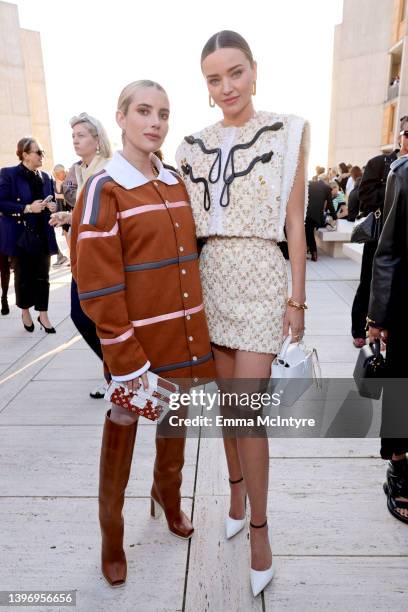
387	320
319	198
25	234
371	195
343	176
353	203
5	281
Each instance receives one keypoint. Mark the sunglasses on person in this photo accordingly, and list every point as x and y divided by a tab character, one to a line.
39	152
404	133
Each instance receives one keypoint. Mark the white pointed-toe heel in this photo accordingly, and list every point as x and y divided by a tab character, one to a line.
234	526
260	578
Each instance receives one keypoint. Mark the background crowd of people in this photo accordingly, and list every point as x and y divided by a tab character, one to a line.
32	205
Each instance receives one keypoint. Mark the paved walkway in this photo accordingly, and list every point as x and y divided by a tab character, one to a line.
335	544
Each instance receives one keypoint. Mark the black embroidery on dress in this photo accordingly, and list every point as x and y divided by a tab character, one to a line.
188	171
191	140
228	179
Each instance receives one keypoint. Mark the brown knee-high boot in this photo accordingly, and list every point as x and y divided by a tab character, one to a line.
116	459
165	494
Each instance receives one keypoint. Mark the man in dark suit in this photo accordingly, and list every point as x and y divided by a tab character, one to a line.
371	194
319	198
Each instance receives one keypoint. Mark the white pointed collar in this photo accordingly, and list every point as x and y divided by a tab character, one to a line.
130	177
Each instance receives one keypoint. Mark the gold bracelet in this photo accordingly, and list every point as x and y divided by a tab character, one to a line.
291	302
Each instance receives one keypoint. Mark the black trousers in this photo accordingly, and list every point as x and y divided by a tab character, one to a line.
31	280
395	394
360	305
83	323
310	227
4	274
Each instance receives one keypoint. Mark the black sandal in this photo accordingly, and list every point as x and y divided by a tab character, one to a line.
397	486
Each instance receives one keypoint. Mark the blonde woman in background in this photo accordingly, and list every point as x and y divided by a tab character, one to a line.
92	145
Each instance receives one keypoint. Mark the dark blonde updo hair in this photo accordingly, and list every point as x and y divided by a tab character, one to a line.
227	39
24	146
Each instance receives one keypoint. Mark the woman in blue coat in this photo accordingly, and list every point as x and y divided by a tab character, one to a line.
24	230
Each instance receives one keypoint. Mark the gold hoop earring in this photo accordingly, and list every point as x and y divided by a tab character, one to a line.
254	88
211	101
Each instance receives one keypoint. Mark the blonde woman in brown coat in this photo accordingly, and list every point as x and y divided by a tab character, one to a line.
134	257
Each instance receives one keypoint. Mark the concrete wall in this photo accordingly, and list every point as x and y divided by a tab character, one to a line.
23	101
360	80
37	93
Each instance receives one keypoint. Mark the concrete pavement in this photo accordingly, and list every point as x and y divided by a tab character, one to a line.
335	544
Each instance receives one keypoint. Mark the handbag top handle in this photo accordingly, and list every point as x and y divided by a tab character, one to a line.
284	348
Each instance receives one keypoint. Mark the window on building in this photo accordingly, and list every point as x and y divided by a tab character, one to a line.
394	74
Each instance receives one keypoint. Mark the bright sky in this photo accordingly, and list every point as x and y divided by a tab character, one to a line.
93	49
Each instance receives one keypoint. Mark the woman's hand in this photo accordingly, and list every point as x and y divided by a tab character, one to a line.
60	218
294	323
37	206
132	385
52	207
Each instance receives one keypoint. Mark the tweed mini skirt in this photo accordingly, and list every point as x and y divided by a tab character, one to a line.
245	286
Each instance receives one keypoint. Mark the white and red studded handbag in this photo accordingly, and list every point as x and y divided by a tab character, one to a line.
152	403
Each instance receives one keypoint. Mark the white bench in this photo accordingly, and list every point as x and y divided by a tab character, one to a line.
331	242
353	250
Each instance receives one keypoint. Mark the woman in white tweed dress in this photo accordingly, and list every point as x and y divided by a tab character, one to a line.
246	180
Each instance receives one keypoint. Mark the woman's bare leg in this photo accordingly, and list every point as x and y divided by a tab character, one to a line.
254	460
225	364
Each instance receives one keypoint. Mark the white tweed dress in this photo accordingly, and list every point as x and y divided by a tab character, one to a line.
239	181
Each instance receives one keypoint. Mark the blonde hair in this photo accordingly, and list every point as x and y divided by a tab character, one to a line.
127	93
96	130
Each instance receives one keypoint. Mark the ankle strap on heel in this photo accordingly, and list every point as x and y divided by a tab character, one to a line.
236	481
259	526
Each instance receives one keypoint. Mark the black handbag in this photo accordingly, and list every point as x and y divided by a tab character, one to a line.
29	241
369	370
368	230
